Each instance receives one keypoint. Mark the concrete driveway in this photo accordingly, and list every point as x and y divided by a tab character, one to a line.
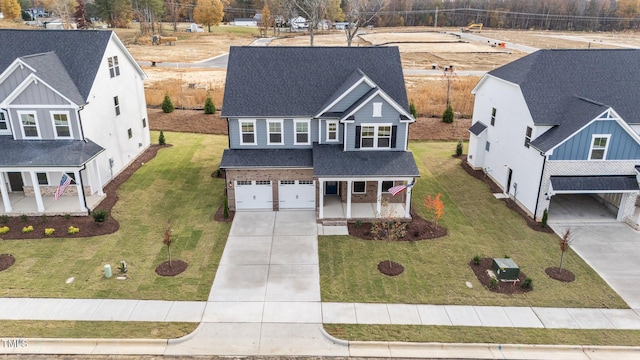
612	249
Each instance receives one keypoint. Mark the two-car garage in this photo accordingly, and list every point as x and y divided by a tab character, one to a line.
290	194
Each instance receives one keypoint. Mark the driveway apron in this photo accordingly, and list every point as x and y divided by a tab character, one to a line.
265	298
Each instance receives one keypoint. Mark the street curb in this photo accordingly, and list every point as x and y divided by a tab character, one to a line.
333	338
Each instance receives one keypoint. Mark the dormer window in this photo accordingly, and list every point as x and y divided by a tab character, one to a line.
29	123
599	145
377	109
61	124
332	131
375	136
114	68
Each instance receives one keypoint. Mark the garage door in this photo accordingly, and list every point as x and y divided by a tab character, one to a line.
254	195
297	194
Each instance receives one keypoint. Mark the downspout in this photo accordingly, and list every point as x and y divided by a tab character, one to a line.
84	197
80	123
544	162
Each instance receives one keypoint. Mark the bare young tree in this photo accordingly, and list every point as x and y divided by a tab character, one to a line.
314	11
360	13
65	9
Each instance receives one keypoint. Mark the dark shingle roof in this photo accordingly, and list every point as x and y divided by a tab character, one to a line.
46	152
477	128
331	160
79	51
549	78
355	76
49	68
287	158
577	113
594	183
298	81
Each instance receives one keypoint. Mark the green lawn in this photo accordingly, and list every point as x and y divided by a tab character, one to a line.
436	270
176	186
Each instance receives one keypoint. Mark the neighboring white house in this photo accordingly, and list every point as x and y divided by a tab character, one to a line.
298	23
81	113
561	122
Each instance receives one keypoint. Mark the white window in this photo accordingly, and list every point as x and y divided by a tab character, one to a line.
386	185
359	187
302	132
29	122
527	137
275	132
375	136
493	116
487	146
129	133
116	104
42	178
144	122
332	131
4	122
377	109
61	126
599	145
114	68
247	132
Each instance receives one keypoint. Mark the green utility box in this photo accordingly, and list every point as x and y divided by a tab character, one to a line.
505	269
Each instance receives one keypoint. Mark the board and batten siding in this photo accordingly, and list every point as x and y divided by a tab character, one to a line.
38	93
12	81
621	145
506	138
351	98
261	134
365	116
44	120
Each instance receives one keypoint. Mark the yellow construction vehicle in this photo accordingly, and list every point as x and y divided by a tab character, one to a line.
472	26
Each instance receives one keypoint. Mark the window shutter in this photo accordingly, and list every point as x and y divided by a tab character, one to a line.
394	130
358	137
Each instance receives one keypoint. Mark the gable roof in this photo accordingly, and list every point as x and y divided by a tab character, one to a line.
298	81
550	79
49	69
79	52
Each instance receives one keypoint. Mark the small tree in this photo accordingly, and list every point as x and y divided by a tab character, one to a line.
225	214
167	105
545	217
412	110
434	206
459	148
565	244
209	107
167	241
388	230
11	9
447	115
161	139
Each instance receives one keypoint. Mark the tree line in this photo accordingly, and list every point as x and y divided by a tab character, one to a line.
580	15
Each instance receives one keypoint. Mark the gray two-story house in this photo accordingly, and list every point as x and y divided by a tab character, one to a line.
322	128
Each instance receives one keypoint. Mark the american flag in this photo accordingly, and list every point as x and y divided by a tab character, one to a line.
64	182
400	188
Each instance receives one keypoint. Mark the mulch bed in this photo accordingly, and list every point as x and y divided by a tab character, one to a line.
556	274
219	215
417	229
6	260
88	227
502	287
177	267
480	175
390	268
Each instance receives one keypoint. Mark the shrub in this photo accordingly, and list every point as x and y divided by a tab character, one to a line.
476	260
67	216
545	217
4	218
167	105
44	218
4	229
73	230
358	223
27	229
527	283
459	148
209	107
225	214
49	231
493	284
447	115
412	110
161	139
24	217
100	215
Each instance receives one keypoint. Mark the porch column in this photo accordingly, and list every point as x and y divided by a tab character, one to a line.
36	191
407	204
321	198
379	200
97	177
80	191
348	198
5	193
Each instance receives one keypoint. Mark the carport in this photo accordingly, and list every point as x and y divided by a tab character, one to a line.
592	198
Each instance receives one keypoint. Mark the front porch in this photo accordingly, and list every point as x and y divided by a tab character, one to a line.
26	205
335	209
